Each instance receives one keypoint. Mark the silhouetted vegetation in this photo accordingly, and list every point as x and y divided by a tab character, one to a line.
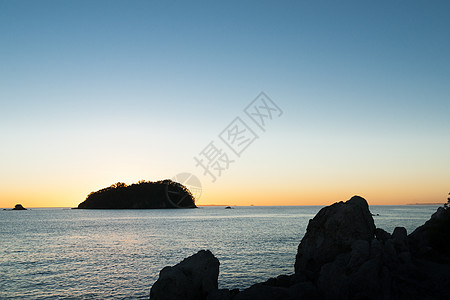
141	195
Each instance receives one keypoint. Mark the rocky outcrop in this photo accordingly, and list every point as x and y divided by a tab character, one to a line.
431	240
19	207
333	231
142	195
192	279
343	256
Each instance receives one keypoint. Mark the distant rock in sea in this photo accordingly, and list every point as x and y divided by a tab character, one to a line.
343	256
142	195
19	207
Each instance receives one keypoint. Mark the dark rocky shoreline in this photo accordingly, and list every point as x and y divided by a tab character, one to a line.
342	256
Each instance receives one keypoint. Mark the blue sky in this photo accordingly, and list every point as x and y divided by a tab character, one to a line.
94	92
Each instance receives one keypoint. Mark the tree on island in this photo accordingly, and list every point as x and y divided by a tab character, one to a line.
141	195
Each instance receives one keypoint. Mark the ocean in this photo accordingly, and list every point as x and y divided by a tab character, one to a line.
117	254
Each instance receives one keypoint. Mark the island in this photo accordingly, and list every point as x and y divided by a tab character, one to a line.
142	195
19	207
16	207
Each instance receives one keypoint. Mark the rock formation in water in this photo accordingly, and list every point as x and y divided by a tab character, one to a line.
19	207
343	256
143	195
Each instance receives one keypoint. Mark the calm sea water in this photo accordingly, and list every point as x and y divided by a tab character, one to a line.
117	254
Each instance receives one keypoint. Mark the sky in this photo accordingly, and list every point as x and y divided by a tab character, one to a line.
356	94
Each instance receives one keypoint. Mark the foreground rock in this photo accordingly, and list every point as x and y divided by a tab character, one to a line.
333	231
343	256
193	278
431	240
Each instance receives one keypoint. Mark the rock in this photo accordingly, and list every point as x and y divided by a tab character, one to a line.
390	254
193	278
400	239
360	253
371	280
332	232
432	240
283	281
382	235
376	248
262	292
345	257
333	282
303	290
19	207
222	294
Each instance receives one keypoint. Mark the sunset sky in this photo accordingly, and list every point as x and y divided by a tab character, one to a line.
97	92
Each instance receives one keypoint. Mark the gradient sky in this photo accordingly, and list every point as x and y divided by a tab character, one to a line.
96	92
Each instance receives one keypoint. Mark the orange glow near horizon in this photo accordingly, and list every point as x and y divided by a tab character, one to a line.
282	195
275	194
46	200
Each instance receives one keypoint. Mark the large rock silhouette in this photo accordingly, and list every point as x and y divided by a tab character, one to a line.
346	257
333	231
432	239
192	279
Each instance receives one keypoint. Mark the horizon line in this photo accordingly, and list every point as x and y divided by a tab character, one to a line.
225	205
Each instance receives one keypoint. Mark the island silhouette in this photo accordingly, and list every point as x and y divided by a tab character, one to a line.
19	207
142	195
16	207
